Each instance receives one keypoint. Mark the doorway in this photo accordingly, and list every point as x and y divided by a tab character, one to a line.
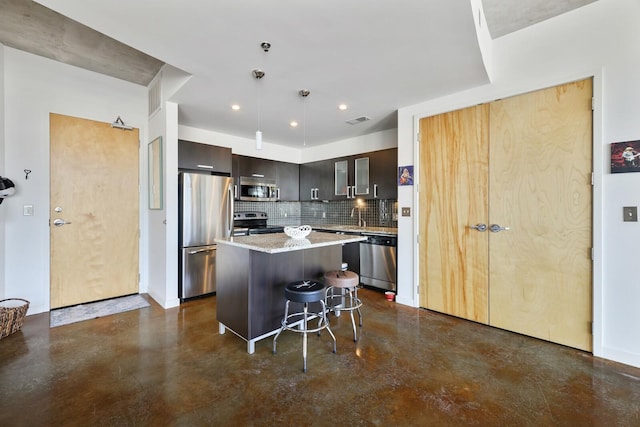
94	211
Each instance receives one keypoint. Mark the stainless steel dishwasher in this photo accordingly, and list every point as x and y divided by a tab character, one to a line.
378	261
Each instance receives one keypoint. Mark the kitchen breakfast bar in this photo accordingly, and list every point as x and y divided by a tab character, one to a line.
252	271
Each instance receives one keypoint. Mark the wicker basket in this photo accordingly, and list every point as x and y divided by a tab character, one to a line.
12	317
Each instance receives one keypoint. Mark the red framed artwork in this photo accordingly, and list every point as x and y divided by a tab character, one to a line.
625	157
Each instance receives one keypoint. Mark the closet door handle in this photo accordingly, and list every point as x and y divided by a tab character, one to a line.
495	228
479	227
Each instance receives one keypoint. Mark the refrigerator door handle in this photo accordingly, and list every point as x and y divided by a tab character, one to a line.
201	250
230	213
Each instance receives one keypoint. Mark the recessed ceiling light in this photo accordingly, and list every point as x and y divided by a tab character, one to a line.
342	107
235	107
293	124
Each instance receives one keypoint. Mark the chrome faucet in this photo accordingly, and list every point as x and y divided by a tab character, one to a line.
361	222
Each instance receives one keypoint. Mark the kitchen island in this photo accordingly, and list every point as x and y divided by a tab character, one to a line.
252	271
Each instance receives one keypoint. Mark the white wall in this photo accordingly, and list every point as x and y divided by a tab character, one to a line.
372	142
156	230
246	147
600	40
240	145
162	232
34	87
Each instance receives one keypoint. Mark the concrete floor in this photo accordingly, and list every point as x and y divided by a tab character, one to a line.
410	367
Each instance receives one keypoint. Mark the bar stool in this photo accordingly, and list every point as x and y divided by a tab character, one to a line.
347	282
305	292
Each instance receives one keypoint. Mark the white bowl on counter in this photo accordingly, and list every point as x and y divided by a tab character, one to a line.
297	232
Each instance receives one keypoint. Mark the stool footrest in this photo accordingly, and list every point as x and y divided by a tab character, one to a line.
293	326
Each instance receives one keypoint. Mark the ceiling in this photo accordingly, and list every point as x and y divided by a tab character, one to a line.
373	56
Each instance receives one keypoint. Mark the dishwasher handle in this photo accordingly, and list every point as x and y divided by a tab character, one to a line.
381	240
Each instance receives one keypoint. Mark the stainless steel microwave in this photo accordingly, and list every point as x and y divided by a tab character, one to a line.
253	189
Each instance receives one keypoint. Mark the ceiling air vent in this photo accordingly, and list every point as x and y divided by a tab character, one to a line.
358	120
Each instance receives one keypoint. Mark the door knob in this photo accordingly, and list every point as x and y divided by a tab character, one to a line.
495	228
480	227
60	222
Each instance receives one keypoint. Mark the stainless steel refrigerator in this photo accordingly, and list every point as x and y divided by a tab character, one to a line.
205	214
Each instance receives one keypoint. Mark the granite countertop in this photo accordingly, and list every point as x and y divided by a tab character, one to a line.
355	229
280	242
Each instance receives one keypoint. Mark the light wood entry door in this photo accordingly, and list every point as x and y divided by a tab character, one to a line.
540	187
454	169
534	174
94	189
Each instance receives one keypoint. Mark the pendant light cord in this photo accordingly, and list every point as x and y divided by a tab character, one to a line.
259	105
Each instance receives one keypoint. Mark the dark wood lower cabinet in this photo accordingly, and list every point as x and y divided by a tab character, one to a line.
250	285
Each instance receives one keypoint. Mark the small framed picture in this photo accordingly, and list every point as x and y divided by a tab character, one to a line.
625	157
405	175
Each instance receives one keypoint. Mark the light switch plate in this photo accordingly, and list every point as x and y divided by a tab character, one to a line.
406	211
27	210
630	213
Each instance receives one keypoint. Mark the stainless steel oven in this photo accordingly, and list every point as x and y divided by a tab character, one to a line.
254	189
252	222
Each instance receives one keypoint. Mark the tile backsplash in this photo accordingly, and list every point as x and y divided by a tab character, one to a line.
375	213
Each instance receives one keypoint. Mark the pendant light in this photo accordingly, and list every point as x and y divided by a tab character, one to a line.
304	93
258	75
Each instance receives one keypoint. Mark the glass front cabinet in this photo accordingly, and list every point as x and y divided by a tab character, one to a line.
341	178
351	177
361	187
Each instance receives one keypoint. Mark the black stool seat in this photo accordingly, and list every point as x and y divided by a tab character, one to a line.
304	291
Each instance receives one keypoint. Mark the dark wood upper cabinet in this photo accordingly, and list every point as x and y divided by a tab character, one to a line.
316	180
370	175
383	174
254	167
204	157
288	181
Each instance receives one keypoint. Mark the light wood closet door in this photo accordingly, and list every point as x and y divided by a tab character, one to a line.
540	187
94	187
522	163
453	197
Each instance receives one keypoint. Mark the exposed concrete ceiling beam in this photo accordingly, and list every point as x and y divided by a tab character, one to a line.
28	26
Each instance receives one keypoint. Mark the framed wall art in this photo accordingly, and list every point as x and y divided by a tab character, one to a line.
625	157
405	175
